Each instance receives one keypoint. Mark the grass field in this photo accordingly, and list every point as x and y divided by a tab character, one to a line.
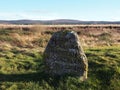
22	68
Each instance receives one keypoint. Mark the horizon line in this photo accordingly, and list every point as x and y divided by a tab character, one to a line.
59	19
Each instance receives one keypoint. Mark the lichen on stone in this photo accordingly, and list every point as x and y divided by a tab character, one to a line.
64	55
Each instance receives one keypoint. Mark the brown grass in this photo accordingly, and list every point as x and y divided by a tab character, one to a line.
33	36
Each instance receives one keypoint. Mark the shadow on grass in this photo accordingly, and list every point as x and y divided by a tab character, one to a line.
98	69
101	70
22	77
31	77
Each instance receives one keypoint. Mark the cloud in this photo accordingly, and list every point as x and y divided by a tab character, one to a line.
32	15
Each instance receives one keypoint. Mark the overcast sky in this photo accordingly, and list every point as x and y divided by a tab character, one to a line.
95	10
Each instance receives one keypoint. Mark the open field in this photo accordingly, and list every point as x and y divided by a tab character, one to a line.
21	58
29	35
24	70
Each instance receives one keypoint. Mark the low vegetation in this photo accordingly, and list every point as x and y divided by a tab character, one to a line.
24	70
33	36
22	67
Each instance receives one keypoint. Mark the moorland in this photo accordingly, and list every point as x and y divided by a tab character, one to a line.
21	57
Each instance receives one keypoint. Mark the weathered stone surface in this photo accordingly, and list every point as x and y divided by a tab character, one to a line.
64	55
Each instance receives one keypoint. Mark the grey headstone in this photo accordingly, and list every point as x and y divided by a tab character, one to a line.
64	55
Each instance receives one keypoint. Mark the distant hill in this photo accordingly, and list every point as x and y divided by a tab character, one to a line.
58	21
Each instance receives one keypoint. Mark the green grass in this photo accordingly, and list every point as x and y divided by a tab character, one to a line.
24	70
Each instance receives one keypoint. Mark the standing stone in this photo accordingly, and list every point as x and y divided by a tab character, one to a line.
64	55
